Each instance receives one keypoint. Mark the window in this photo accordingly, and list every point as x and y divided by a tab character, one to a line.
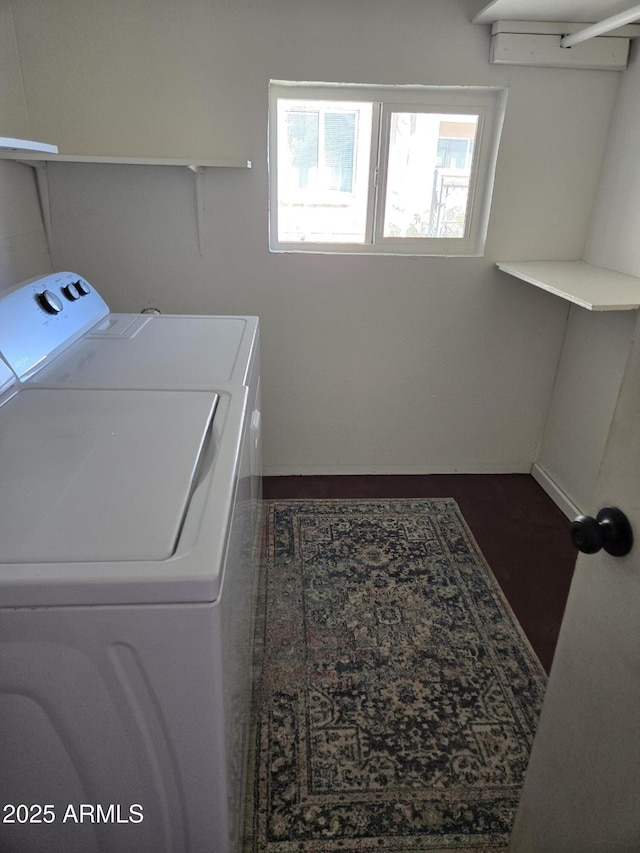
392	170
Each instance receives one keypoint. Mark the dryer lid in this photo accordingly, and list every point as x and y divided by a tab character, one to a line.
94	476
165	351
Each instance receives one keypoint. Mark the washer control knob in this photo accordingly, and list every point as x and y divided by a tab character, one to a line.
82	287
71	292
50	302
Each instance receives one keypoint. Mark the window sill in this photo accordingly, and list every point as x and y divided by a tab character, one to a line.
436	248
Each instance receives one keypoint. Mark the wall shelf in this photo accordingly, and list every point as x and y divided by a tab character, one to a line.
40	155
8	145
591	287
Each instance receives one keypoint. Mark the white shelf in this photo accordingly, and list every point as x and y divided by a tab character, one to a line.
9	146
39	155
591	287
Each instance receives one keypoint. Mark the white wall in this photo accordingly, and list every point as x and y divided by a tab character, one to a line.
613	238
370	364
593	359
23	251
23	247
597	345
13	106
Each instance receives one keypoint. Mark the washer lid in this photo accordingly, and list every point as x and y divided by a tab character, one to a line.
98	476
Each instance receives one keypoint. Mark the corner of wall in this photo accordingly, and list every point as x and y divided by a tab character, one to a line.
14	117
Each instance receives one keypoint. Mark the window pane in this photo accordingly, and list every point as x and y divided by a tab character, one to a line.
302	140
323	170
429	169
339	149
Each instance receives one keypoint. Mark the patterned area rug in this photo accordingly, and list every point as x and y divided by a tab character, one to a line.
396	696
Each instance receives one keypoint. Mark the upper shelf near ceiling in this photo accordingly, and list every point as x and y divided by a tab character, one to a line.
591	287
557	33
549	10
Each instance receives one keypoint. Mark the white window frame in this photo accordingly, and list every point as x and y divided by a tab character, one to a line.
487	102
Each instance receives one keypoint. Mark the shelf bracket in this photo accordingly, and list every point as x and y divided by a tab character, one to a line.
42	181
198	171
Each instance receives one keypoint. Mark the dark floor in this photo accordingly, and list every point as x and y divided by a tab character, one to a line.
522	534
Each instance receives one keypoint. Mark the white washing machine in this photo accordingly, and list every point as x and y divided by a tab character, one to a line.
129	507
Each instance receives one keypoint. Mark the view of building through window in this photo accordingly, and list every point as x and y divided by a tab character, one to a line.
326	180
428	173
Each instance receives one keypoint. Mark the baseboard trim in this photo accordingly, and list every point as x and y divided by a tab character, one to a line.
393	470
560	499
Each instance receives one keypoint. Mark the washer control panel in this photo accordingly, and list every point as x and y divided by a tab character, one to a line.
41	317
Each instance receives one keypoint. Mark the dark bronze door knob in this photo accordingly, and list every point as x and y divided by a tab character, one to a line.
610	530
